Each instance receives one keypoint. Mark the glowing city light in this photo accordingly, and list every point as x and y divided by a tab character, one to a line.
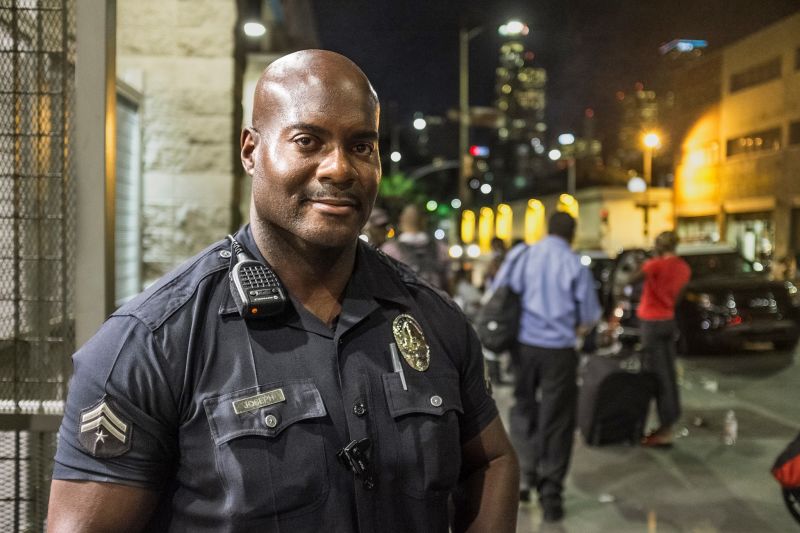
513	28
651	140
254	29
473	251
566	139
637	184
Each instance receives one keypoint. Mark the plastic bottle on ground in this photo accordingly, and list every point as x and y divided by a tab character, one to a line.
731	429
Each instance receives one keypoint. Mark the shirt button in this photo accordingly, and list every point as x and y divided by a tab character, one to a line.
225	254
271	421
436	400
360	408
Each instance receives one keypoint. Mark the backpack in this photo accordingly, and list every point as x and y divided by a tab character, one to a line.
497	321
424	261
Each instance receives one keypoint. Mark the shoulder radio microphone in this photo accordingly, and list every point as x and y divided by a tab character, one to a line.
255	288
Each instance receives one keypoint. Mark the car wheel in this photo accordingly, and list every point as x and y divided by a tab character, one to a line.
785	346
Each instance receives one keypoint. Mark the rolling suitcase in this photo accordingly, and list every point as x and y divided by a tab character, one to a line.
614	398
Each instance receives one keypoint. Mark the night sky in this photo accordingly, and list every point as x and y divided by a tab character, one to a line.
590	48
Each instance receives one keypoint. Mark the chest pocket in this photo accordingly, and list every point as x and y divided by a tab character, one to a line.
270	453
427	441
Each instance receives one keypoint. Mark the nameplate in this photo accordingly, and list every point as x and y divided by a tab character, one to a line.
258	401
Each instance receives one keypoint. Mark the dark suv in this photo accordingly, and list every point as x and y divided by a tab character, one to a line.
727	302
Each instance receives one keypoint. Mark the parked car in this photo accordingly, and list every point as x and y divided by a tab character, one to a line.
728	301
600	264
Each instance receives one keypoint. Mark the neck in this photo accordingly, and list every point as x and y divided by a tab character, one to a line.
316	276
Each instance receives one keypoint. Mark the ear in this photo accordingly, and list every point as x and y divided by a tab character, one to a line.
248	142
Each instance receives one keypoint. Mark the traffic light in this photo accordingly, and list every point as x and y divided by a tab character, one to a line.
479	151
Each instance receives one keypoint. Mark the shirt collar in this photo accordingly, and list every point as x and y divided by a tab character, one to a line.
555	240
370	282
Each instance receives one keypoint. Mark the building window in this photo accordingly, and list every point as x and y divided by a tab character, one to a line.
761	141
756	75
797	59
794	133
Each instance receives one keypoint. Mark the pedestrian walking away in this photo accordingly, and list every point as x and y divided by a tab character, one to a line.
559	303
427	257
290	377
664	277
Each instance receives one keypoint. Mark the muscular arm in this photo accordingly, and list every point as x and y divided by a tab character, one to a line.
489	493
91	507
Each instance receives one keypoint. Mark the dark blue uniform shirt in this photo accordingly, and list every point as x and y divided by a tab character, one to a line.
238	423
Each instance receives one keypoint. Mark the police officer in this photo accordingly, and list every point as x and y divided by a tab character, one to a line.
360	406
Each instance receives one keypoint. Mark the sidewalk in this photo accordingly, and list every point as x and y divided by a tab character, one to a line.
700	485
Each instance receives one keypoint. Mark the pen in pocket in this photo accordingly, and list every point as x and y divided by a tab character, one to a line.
396	366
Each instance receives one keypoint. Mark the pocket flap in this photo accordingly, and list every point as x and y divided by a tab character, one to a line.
434	395
264	410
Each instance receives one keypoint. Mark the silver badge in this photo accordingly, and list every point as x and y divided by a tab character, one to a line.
102	432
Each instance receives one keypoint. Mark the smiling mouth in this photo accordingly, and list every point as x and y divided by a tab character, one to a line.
334	206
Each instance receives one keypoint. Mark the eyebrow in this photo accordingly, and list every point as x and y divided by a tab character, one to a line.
368	135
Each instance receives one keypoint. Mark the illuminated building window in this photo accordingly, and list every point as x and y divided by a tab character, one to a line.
756	75
504	223
467	226
485	228
794	133
760	141
534	221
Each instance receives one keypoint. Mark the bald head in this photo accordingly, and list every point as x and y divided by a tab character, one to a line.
284	80
312	152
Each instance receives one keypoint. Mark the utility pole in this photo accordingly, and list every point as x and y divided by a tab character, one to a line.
464	168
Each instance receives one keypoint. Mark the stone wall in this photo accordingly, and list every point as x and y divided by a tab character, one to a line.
180	55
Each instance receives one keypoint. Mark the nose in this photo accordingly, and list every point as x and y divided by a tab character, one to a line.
336	166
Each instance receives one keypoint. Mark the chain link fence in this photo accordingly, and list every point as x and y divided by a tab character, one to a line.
37	243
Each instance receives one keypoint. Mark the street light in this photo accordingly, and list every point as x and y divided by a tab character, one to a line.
651	141
567	140
511	28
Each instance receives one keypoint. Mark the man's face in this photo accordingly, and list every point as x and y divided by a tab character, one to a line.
314	161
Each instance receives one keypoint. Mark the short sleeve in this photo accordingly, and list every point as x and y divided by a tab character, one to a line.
120	419
479	406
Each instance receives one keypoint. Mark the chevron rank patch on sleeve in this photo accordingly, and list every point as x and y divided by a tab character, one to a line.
102	432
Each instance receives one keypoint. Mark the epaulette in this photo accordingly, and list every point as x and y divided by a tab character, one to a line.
159	301
409	277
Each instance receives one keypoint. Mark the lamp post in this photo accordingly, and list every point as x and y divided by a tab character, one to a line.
567	141
465	35
651	141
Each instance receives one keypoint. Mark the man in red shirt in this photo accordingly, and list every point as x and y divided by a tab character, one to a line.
664	277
